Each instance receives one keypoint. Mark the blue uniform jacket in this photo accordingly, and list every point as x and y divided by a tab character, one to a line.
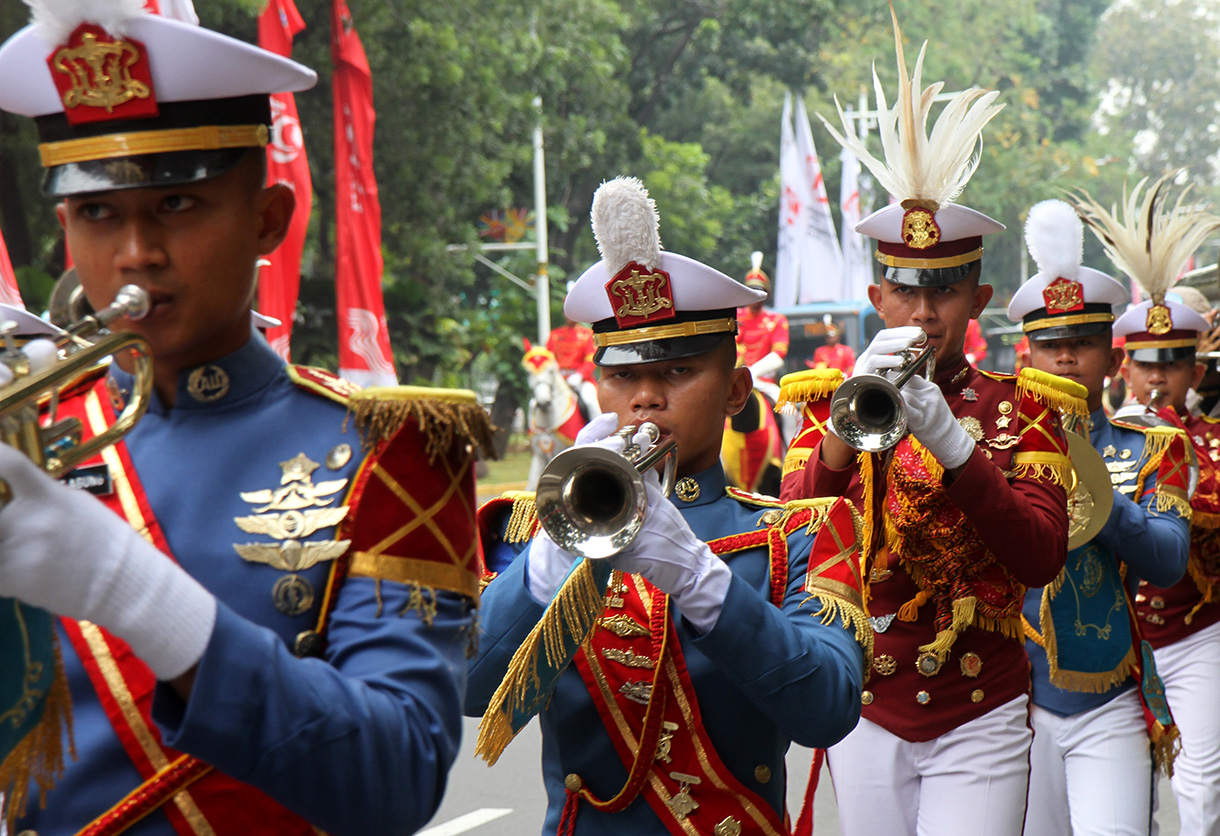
358	743
1153	544
764	675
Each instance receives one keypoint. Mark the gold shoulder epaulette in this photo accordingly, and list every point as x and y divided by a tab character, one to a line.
1210	419
524	518
1007	377
321	382
1067	396
443	415
751	498
802	387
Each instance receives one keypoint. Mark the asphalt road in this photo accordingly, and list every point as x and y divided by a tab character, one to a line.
507	799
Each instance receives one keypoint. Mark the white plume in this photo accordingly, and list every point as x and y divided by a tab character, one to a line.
756	258
915	166
1150	243
1054	235
626	224
57	19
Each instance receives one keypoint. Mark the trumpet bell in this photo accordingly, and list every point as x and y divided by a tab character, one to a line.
867	413
591	501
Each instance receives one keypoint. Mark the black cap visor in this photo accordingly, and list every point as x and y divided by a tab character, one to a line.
1162	355
928	276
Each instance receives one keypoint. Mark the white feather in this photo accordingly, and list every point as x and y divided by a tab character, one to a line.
626	224
1149	242
756	258
913	165
57	19
1054	235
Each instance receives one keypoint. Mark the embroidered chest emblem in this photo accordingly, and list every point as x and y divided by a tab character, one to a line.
296	509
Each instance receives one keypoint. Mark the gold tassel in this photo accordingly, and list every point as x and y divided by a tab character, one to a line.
1166	745
1053	391
963	617
802	387
1043	466
1171	499
523	520
444	416
935	469
795	459
573	612
39	757
910	610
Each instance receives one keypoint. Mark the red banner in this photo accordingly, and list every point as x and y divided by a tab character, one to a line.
364	340
10	294
280	281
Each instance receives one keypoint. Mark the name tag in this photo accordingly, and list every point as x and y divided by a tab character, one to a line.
95	479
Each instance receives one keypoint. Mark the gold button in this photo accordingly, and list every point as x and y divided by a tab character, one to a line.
1156	602
573	782
762	773
866	697
772	517
923	698
687	489
976	695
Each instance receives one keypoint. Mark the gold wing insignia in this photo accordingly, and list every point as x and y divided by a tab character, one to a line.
258	497
328	488
291	524
292	555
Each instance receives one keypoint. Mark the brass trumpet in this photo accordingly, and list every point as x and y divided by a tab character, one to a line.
867	412
54	444
592	502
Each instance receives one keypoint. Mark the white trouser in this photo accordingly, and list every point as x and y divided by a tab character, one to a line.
1090	774
968	782
1191	670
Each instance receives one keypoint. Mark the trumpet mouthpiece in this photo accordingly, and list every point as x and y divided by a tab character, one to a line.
131	301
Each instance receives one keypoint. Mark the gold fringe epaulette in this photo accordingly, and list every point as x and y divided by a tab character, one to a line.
523	521
39	757
444	416
801	387
837	602
1066	396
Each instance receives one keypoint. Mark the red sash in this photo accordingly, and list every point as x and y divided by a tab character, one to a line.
214	802
633	668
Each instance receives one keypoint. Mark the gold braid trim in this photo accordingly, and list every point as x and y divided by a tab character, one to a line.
573	612
852	616
801	387
1173	499
1053	391
443	415
1054	467
523	521
1030	633
1166	746
39	756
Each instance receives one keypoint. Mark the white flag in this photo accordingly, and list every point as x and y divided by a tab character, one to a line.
793	214
821	259
857	266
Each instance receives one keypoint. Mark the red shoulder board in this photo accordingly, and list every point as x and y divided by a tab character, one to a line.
321	382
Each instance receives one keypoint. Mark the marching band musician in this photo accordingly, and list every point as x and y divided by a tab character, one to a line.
265	632
1182	620
1091	765
762	335
730	627
964	513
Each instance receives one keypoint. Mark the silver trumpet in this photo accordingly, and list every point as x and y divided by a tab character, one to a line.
592	502
867	412
29	404
1142	415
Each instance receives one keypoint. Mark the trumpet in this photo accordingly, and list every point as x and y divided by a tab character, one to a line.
1142	415
29	404
867	412
592	502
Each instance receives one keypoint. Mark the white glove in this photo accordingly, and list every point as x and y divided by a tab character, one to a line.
547	564
673	559
576	380
932	422
882	353
767	366
64	551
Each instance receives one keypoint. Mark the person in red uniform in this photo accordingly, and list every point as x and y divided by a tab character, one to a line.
834	354
970	510
762	335
975	345
1182	622
572	345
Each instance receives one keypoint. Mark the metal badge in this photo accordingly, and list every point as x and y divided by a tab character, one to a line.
666	741
885	664
771	517
972	426
681	802
1005	418
629	658
208	383
728	826
928	664
971	664
339	456
923	698
637	691
970	395
687	489
881	623
299	510
623	626
1109	452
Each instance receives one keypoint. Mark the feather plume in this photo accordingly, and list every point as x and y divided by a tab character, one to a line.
626	224
1151	240
1054	235
56	20
914	166
756	258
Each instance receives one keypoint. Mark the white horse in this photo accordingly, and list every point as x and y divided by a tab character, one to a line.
554	410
